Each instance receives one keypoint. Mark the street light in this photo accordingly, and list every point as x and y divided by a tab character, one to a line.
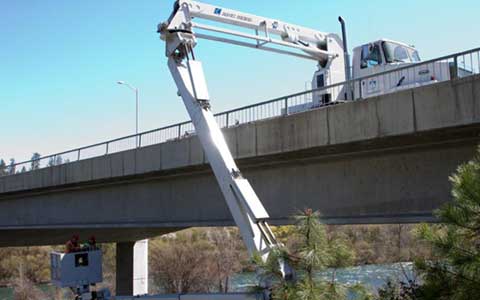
136	107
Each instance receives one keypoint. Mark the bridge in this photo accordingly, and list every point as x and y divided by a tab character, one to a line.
384	159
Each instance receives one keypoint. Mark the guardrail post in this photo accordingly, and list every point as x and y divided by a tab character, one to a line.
286	106
226	125
140	140
106	148
455	67
78	155
179	131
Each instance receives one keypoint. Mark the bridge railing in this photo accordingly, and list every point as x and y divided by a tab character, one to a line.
453	66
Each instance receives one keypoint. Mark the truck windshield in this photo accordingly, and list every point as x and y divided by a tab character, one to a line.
398	53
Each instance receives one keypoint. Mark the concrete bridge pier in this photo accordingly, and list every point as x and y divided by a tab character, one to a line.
132	268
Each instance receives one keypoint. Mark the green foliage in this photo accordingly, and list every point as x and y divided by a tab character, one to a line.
35	161
11	166
283	233
315	251
361	292
399	290
3	167
342	254
55	161
455	272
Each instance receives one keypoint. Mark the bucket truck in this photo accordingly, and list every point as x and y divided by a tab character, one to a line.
328	50
181	33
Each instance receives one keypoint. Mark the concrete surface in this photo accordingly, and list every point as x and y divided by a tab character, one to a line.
140	268
385	159
444	105
124	271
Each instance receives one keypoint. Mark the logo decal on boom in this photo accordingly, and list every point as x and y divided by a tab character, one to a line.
219	11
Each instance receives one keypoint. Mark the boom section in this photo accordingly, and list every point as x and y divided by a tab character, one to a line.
247	210
312	43
244	205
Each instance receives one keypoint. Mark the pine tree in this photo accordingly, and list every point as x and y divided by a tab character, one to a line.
51	161
56	160
315	252
341	255
3	167
455	273
35	161
11	167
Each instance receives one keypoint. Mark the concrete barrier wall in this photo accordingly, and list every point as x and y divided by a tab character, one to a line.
437	106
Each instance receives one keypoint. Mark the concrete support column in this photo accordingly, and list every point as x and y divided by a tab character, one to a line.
132	268
140	268
124	262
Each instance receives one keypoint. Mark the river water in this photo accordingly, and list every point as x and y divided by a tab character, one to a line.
372	276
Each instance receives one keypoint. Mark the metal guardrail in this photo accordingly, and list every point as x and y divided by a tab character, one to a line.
448	67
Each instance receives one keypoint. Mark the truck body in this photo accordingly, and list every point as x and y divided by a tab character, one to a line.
375	61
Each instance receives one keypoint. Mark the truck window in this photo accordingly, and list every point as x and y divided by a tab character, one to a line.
370	56
414	55
320	81
399	53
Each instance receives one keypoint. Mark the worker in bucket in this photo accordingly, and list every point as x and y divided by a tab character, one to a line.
73	244
92	244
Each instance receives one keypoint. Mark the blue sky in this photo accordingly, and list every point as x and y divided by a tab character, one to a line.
59	61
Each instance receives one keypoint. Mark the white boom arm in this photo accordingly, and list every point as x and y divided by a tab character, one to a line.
314	43
245	207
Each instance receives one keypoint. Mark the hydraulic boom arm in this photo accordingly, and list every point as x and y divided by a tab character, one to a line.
178	33
313	43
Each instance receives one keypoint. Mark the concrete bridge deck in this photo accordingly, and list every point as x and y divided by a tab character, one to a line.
385	159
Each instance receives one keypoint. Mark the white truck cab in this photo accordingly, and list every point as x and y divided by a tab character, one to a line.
376	58
382	55
386	55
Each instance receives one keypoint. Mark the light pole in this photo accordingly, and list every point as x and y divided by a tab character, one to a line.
136	108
